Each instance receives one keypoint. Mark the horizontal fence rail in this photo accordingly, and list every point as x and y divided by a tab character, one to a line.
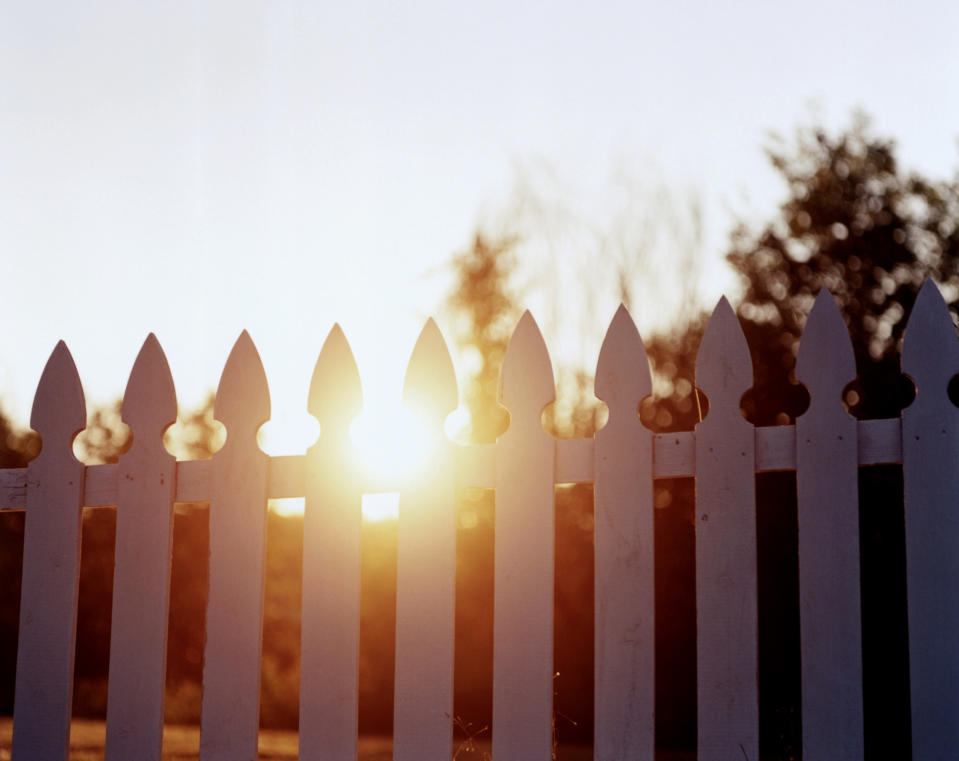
825	447
674	456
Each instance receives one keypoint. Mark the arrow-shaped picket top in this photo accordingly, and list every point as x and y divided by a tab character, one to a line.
526	378
430	383
825	362
59	409
724	369
336	392
623	378
149	401
242	401
930	351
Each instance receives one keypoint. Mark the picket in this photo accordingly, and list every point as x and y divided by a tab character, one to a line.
726	588
930	452
51	566
825	447
229	719
426	567
828	516
625	633
329	659
523	573
144	542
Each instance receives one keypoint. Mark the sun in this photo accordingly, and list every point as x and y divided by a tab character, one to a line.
395	449
390	448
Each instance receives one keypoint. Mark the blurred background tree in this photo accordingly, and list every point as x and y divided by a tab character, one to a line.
483	307
854	222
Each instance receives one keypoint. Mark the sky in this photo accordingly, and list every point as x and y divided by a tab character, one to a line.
199	168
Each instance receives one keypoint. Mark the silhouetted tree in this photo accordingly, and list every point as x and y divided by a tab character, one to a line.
856	223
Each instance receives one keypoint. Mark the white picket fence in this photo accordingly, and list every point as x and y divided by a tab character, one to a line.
724	453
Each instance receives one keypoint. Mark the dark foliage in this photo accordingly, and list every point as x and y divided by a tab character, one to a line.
856	223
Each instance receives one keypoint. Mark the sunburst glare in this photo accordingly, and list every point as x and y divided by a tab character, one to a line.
392	447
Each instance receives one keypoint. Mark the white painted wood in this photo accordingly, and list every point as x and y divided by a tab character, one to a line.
51	566
523	576
674	454
101	486
828	514
775	448
13	489
426	567
141	578
329	662
625	632
726	604
880	441
930	450
193	479
234	616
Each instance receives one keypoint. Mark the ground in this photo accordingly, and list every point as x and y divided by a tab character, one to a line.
182	743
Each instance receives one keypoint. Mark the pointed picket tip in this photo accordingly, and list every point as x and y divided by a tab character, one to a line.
59	409
243	396
526	377
825	362
149	401
336	393
724	369
430	382
930	350
623	379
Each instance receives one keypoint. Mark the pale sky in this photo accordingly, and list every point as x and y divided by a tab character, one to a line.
194	169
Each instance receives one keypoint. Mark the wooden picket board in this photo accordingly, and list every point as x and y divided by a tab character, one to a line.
426	567
229	719
625	633
726	587
330	629
930	453
828	516
523	575
141	580
43	695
